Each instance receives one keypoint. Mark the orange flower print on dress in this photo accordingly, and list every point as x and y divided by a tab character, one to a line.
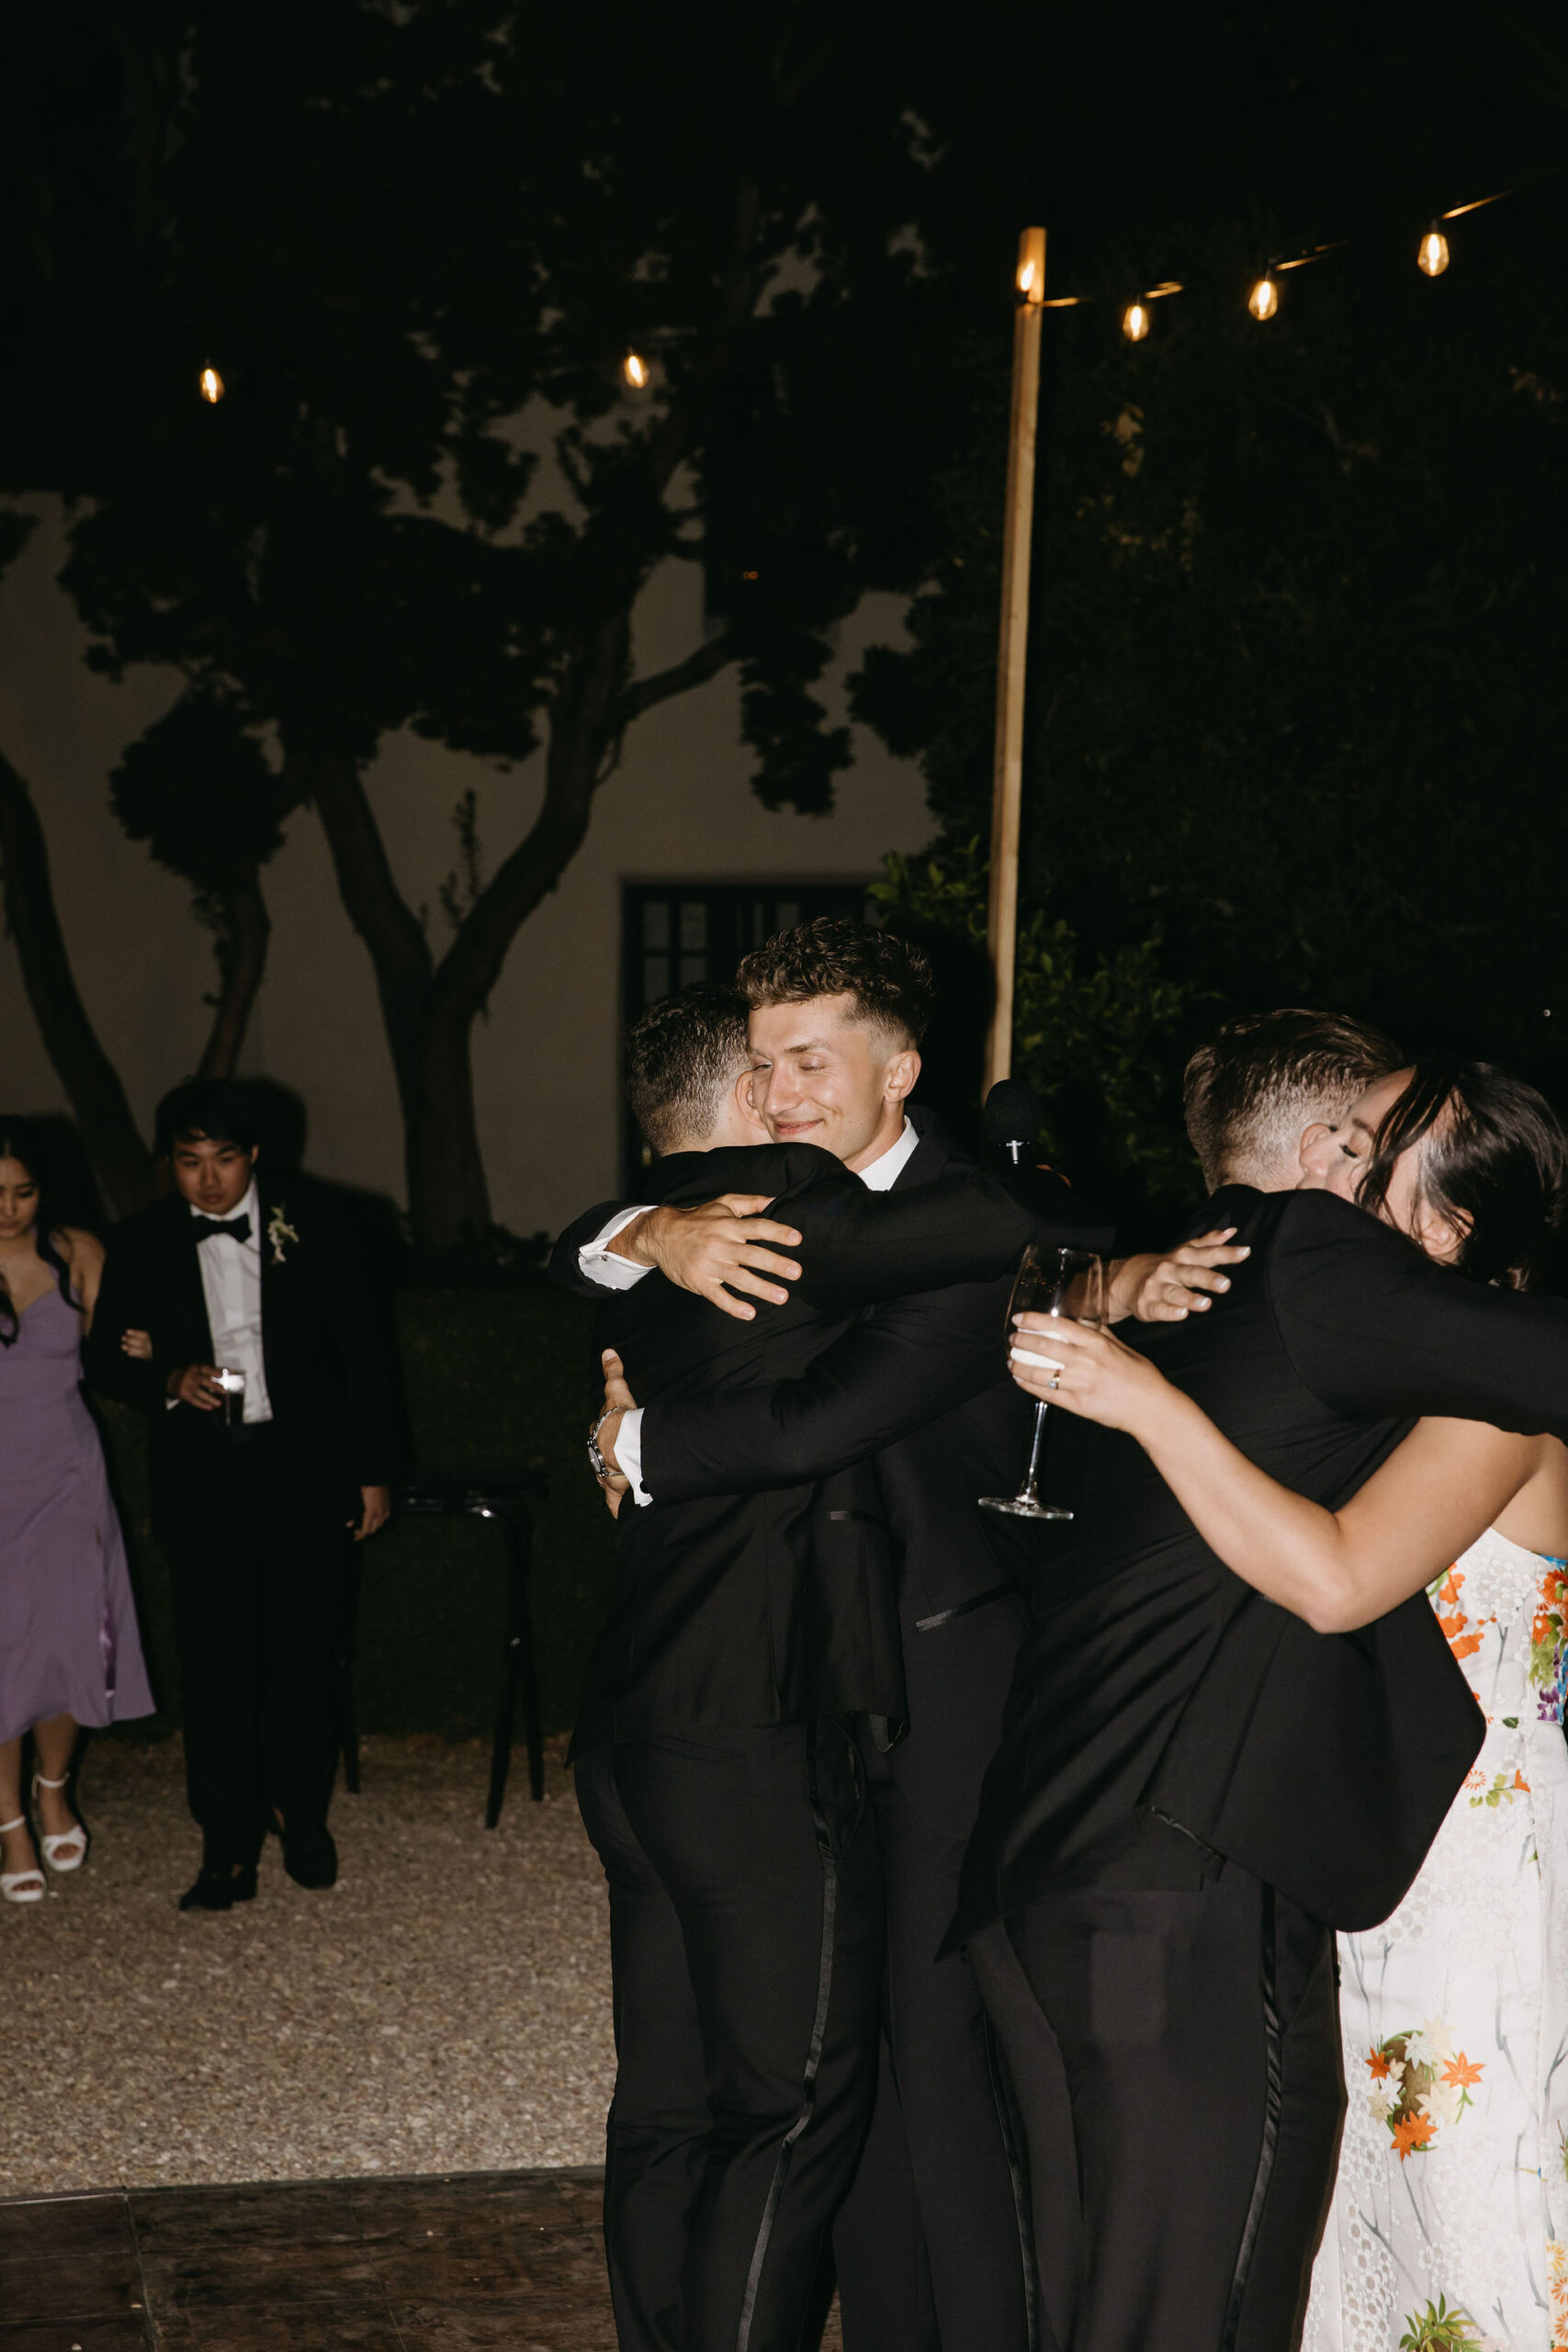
1421	2084
1445	1599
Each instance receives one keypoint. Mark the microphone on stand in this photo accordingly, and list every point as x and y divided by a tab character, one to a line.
1013	1118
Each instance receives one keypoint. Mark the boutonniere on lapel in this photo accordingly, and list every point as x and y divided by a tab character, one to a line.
278	1231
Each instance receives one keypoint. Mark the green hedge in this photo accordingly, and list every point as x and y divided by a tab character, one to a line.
496	1380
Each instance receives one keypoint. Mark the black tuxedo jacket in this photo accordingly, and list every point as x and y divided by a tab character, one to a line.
326	1375
753	1607
1153	1681
918	1387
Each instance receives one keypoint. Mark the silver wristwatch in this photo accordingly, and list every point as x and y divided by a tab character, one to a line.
603	1471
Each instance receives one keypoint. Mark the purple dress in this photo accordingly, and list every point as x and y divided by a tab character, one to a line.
68	1638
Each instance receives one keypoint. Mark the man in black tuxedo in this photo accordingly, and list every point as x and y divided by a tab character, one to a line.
1194	1789
270	1435
717	1766
920	1385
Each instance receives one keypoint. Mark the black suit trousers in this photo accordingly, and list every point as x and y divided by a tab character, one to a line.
926	1791
256	1549
746	1940
1174	2050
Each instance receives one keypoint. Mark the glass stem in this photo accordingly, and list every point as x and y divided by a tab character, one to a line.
1033	1472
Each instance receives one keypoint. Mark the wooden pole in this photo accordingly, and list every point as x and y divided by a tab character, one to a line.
1007	788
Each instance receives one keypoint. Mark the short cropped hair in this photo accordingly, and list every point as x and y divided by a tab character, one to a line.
1250	1091
682	1056
887	977
207	1110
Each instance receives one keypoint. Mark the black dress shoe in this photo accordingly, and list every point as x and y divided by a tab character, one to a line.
218	1888
309	1856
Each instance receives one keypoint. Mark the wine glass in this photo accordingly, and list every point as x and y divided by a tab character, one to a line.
1069	1282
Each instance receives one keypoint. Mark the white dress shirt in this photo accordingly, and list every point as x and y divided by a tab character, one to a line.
230	1283
599	1264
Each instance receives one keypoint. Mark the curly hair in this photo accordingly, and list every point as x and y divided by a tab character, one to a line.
888	978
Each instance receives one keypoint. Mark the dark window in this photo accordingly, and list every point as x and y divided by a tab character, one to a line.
675	933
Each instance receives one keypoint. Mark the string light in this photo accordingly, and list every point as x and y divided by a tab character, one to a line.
1264	298
635	369
211	385
1432	256
1026	278
1134	322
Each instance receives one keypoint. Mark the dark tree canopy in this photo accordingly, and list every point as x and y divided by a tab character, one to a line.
1295	693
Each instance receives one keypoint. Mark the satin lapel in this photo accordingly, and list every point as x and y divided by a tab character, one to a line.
930	1155
188	1297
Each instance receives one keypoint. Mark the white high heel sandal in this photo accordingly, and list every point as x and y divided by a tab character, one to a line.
21	1887
67	1850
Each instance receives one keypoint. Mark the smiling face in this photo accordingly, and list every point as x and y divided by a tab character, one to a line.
214	1177
18	1200
821	1076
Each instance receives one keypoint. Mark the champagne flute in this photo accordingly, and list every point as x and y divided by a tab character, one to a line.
1066	1282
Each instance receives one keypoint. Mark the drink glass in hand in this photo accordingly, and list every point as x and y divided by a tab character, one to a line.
233	1384
1065	1283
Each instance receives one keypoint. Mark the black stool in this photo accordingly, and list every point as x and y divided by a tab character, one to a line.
449	1494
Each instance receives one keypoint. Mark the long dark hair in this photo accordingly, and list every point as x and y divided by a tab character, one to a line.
19	1140
1494	1160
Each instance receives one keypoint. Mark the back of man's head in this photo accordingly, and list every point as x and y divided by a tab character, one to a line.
886	978
683	1056
1250	1092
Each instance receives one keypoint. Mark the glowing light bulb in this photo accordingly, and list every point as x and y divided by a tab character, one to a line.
635	371
1026	278
210	383
1432	254
1264	298
1134	322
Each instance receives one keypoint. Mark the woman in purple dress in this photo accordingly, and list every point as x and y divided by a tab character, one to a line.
69	1650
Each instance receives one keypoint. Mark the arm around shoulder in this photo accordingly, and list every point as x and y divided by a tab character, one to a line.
1376	1328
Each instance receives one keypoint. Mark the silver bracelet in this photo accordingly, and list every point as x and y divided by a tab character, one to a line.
603	1471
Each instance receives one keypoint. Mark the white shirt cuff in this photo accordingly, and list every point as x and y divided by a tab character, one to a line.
628	1452
596	1263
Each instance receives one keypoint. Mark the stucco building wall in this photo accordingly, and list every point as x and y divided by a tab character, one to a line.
678	808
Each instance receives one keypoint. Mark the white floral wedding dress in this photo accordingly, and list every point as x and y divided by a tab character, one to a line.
1449	2221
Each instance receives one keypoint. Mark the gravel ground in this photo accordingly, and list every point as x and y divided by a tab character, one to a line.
446	2008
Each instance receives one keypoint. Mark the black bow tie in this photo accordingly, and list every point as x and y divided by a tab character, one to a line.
238	1228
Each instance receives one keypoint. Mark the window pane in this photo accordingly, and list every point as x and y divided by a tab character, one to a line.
655	978
693	924
692	967
656	922
786	915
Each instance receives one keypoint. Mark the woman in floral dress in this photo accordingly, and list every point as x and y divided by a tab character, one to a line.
1450	2222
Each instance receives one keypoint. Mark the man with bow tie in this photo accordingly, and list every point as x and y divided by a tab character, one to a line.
270	1439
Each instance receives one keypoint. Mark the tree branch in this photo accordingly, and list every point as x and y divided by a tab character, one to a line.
120	1159
244	928
376	907
583	727
695	671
